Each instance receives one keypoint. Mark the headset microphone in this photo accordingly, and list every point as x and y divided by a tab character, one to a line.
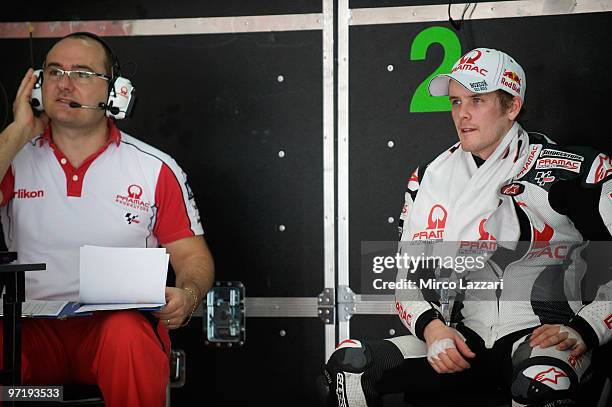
102	106
76	105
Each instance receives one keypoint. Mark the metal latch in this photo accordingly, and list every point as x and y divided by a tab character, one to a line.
225	315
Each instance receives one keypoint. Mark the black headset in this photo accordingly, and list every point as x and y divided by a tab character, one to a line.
121	93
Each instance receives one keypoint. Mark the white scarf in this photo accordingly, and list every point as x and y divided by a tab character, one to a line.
468	194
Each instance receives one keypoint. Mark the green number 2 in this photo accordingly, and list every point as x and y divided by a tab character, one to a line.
421	100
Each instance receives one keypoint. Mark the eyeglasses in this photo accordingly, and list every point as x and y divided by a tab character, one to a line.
79	76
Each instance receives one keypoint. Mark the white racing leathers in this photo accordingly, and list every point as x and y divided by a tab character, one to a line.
529	210
522	219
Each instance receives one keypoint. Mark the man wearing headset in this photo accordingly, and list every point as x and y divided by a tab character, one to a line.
72	166
531	336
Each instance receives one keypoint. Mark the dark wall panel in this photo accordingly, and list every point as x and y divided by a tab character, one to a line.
276	367
373	327
215	103
218	105
69	10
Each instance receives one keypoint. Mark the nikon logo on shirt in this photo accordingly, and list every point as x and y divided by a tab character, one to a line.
25	194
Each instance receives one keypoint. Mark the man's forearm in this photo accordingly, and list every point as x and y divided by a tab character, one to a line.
197	273
12	138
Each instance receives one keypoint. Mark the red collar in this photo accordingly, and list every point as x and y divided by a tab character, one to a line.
114	135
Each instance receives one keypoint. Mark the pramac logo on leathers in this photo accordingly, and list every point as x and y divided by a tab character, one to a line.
436	222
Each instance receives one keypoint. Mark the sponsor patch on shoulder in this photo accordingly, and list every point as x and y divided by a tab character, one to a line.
601	168
558	163
512	189
530	160
547	152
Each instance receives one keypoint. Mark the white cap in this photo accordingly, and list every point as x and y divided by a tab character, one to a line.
483	70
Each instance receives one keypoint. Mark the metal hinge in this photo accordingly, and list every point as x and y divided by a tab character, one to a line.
346	303
326	308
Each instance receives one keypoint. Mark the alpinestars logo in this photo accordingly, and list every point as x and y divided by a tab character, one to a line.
131	218
608	321
132	199
601	168
512	189
436	222
551	375
340	390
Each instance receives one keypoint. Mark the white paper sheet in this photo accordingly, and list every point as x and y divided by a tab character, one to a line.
112	307
119	275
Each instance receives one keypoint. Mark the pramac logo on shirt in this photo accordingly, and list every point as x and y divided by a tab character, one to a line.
134	191
436	222
132	199
23	193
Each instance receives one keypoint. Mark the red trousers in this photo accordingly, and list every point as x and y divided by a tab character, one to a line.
117	350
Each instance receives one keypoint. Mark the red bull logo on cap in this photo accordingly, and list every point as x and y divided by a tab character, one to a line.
513	81
512	76
468	63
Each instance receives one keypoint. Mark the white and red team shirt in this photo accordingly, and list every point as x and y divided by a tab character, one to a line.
128	194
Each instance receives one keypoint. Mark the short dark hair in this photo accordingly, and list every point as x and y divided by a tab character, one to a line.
109	58
505	100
